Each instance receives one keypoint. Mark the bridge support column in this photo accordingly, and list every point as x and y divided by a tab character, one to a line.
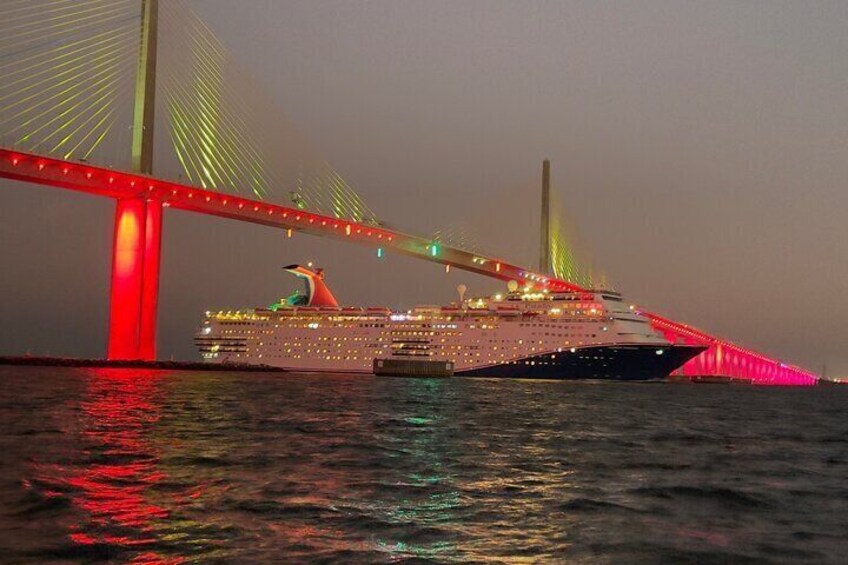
134	298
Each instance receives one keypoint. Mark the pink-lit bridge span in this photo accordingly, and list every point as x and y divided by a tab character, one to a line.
78	77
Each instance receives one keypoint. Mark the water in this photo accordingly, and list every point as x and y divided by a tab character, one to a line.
144	466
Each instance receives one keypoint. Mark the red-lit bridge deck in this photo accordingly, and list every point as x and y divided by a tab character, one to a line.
120	185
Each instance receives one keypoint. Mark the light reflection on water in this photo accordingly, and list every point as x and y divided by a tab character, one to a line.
152	466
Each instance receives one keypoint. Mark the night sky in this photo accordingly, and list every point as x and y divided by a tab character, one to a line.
700	147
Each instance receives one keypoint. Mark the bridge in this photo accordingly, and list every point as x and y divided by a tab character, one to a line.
73	70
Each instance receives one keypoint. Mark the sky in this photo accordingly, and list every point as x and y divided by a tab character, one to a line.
700	147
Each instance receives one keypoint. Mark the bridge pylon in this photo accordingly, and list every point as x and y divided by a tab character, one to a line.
545	224
133	303
137	243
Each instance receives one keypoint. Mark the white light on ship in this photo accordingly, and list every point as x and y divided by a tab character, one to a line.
207	330
660	351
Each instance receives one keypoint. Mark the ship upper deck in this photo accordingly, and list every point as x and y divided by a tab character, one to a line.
572	306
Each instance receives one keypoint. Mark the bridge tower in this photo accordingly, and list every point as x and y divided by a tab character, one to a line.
545	227
137	239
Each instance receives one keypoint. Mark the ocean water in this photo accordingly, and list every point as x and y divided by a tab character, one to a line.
121	465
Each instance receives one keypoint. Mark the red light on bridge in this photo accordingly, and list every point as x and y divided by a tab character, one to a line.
65	170
41	166
311	220
241	205
224	201
15	161
324	223
111	180
390	238
285	214
132	183
208	198
191	195
88	175
256	208
297	217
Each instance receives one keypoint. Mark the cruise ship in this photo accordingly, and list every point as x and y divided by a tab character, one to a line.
520	333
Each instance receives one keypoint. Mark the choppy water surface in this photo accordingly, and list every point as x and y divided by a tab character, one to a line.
123	465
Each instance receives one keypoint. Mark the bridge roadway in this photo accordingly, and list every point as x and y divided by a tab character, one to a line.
133	336
102	181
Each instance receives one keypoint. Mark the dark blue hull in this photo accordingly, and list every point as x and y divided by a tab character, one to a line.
611	362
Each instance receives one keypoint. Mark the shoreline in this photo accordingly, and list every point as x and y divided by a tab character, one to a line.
37	361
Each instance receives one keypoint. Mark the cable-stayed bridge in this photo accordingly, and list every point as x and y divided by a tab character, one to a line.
89	84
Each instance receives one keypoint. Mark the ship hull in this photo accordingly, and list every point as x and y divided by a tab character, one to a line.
610	362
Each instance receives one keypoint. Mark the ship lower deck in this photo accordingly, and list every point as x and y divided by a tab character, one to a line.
606	362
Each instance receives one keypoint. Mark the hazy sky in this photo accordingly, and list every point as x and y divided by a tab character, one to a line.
702	148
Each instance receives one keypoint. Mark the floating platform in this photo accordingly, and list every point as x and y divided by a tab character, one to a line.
423	368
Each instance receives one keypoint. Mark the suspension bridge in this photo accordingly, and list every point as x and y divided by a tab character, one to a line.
82	83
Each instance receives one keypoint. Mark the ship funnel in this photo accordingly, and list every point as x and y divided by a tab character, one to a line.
317	293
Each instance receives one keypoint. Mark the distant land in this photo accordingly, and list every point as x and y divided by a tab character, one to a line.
134	364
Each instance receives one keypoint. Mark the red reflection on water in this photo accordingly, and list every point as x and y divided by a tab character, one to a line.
118	463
